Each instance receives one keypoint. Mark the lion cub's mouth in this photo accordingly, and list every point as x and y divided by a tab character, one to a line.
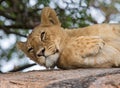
50	60
44	55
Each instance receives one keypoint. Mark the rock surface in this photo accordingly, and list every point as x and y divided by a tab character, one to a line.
79	78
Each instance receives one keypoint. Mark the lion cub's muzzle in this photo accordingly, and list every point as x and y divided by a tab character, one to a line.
49	61
41	52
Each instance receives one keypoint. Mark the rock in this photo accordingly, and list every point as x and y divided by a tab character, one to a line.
79	78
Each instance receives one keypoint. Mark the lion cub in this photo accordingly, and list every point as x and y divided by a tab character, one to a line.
94	46
55	47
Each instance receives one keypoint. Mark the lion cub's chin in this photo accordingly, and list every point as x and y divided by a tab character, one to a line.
50	61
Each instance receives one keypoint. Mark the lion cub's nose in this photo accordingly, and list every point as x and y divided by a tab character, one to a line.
41	52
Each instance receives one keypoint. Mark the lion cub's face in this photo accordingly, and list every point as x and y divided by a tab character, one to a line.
44	43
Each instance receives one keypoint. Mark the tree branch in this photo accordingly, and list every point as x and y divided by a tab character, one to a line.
11	32
4	14
18	26
23	67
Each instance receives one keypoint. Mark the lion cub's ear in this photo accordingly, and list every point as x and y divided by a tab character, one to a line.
22	46
49	17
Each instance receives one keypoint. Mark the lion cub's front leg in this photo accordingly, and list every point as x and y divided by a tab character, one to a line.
88	45
80	49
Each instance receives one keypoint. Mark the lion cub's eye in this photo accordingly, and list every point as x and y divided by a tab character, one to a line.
30	49
42	36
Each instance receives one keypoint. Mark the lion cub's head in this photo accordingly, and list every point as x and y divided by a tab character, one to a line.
42	44
27	49
45	42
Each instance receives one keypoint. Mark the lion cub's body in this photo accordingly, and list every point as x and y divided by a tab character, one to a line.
92	46
107	56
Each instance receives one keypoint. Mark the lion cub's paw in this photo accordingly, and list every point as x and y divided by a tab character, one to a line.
93	45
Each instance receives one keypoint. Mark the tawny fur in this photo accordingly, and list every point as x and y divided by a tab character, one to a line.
92	46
